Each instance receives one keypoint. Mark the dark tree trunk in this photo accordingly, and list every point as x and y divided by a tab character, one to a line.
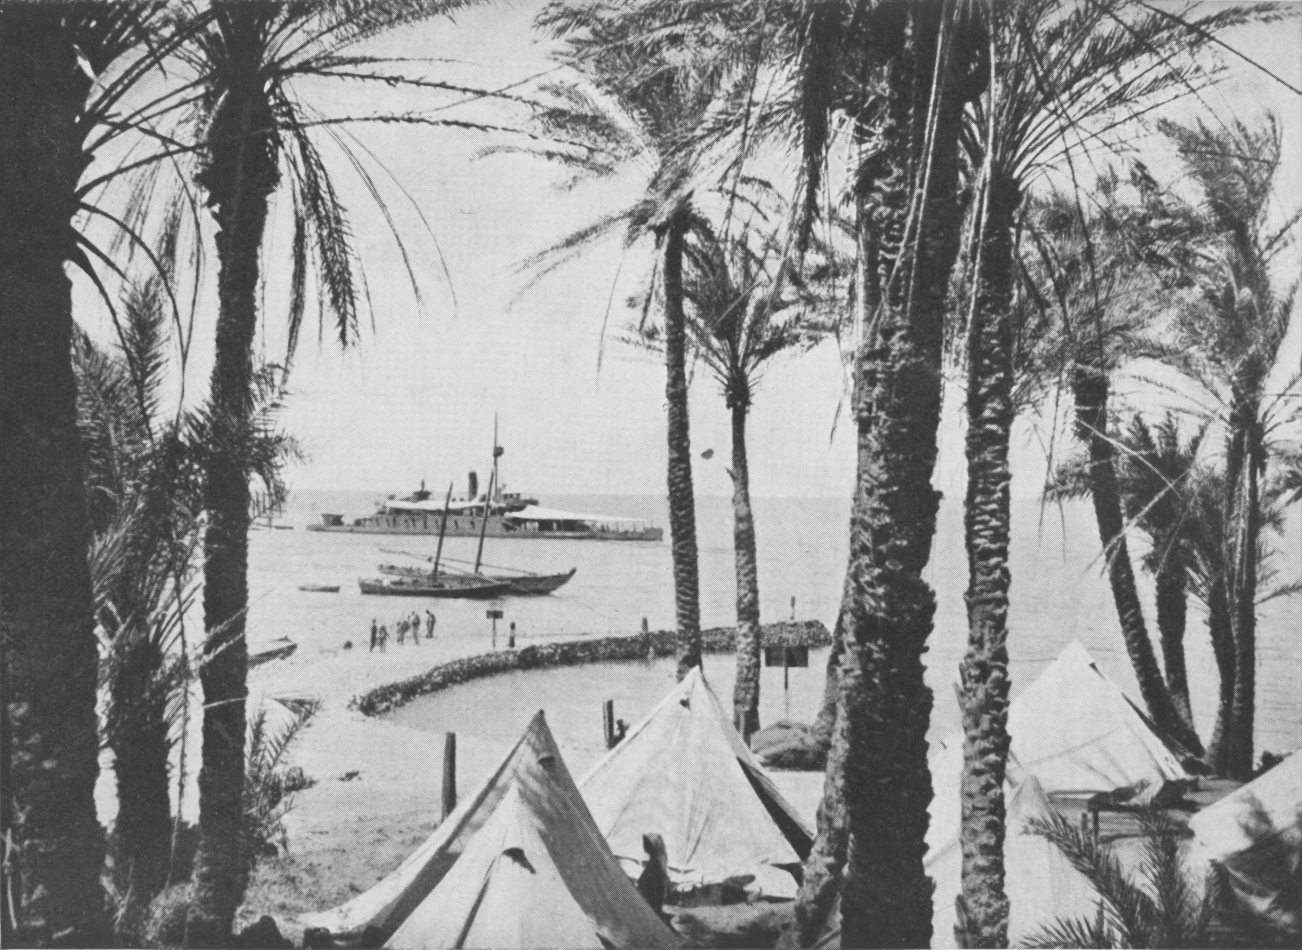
1172	611
821	881
47	630
745	697
1246	522
1090	391
982	904
914	207
240	175
1222	636
142	832
682	504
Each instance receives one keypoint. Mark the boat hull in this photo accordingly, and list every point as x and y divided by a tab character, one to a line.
411	588
522	585
470	528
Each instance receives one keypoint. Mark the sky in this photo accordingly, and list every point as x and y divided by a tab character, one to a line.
578	411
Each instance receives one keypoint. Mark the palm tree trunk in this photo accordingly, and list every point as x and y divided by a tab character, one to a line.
983	675
821	881
682	504
142	832
1172	611
745	696
47	628
1222	636
1090	392
239	180
886	896
1247	527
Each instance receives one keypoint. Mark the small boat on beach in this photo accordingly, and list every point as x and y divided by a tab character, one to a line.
442	585
319	588
277	649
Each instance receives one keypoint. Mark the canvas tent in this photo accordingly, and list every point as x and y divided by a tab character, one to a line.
1255	835
685	774
534	877
1074	733
544	806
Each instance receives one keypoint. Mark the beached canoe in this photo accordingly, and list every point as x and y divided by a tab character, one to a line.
444	585
319	588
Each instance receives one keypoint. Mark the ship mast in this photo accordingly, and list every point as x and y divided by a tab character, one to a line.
483	528
443	527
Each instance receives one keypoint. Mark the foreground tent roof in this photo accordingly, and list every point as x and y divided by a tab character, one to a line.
684	773
1255	834
548	806
534	878
1073	732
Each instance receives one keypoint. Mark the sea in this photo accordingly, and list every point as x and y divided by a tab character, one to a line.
1058	595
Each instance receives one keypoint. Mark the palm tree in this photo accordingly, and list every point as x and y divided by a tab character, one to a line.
64	69
1160	905
145	497
255	133
1157	476
1235	328
1054	75
737	323
650	92
1104	284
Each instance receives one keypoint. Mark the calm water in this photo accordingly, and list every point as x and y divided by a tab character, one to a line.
1058	593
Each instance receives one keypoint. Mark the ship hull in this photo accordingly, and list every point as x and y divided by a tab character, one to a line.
470	528
482	591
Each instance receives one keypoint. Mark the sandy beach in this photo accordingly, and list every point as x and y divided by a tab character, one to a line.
377	779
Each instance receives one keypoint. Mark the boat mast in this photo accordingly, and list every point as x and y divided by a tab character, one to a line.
483	528
443	527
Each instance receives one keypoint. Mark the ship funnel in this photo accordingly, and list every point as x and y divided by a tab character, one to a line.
474	486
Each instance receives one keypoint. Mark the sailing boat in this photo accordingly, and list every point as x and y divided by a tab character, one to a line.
518	582
434	583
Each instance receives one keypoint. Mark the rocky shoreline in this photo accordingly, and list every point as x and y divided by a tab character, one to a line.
656	643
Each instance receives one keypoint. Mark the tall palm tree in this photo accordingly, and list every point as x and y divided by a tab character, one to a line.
926	62
1055	75
254	134
1236	328
145	498
64	68
643	91
737	322
1105	286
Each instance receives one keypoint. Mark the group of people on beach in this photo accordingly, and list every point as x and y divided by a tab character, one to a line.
407	626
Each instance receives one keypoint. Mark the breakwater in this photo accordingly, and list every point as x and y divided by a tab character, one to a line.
656	643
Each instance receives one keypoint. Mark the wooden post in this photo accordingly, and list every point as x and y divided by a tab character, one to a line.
793	610
449	774
608	722
646	628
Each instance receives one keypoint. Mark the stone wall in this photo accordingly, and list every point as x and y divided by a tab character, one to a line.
657	643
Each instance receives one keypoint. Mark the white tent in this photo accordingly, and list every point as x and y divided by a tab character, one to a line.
1255	834
684	773
548	806
534	878
1075	733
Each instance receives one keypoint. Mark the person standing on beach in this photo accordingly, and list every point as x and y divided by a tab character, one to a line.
402	630
384	637
375	635
430	620
415	629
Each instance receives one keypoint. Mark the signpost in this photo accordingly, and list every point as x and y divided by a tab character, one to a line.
495	616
